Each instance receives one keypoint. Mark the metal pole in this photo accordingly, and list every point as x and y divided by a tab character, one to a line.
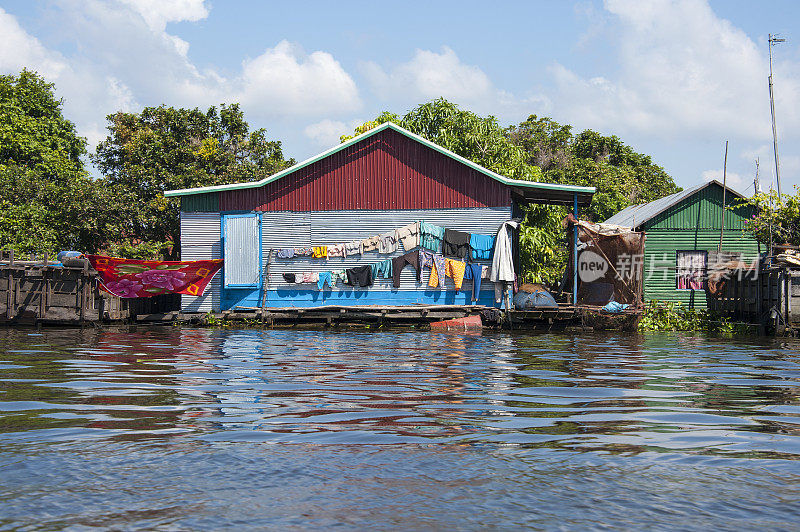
772	41
724	189
575	251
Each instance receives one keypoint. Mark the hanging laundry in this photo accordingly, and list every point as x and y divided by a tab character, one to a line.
425	259
503	259
310	277
289	278
382	268
456	244
303	252
370	244
431	236
324	277
455	269
437	272
474	273
408	235
352	248
287	253
482	246
320	252
387	243
338	275
398	263
336	250
359	276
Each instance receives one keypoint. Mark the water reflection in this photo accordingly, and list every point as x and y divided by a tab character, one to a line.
166	428
588	392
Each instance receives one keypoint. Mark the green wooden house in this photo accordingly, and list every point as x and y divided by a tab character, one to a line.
683	232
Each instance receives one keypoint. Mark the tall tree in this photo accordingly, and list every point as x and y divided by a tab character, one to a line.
622	176
164	148
45	192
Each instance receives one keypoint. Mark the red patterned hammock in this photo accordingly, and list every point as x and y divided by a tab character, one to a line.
147	278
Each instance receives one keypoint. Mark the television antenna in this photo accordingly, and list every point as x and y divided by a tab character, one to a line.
773	40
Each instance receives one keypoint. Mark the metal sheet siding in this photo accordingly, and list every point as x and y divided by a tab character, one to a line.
386	171
241	247
300	229
702	210
660	264
208	202
200	240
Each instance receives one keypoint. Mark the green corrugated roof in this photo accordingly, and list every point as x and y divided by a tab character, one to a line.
395	127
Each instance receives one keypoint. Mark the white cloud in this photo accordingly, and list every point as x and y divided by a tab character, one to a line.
122	58
18	49
682	70
285	81
327	132
734	180
431	75
157	13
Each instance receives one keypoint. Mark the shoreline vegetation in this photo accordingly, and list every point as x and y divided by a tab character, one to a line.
669	316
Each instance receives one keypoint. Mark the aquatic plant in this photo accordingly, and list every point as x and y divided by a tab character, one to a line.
669	316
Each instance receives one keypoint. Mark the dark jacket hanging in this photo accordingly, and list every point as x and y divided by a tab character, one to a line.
456	244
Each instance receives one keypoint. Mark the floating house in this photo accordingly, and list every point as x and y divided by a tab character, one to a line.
682	237
383	180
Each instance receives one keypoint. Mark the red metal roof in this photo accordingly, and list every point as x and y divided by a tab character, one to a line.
387	170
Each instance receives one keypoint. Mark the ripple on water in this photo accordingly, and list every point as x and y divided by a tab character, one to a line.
357	428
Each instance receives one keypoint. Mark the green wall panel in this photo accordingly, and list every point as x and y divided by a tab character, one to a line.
208	202
702	210
661	247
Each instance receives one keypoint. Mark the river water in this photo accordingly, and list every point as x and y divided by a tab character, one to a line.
182	428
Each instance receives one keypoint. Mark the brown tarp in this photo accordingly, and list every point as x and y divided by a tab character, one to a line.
610	263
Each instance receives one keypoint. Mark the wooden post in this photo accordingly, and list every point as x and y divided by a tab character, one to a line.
575	251
82	292
43	290
10	301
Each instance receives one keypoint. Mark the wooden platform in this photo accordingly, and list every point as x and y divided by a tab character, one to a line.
407	315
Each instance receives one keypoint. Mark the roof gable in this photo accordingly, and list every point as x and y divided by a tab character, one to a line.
656	212
558	191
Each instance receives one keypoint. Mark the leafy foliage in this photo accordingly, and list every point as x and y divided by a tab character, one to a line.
621	176
164	148
43	184
670	316
778	220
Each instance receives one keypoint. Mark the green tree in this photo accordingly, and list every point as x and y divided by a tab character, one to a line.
164	148
621	176
774	220
45	193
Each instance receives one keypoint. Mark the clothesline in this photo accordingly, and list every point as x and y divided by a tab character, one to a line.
363	276
450	242
429	238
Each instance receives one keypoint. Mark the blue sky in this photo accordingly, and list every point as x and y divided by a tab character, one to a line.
673	79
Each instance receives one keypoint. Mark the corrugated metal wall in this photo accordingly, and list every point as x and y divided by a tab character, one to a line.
702	210
200	240
242	264
208	202
281	230
387	171
661	260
